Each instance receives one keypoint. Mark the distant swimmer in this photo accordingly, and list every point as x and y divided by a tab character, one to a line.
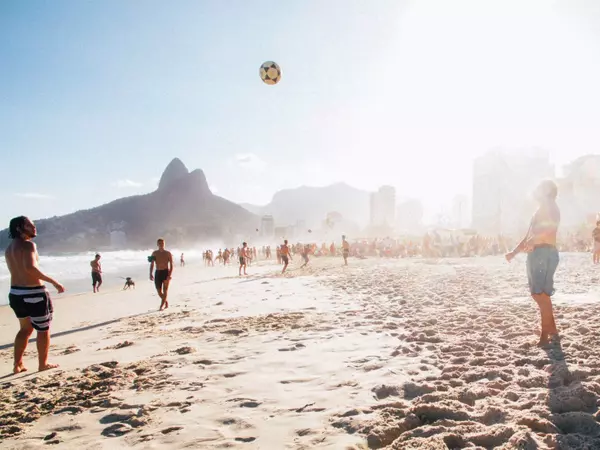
96	273
243	256
182	261
28	297
596	243
285	255
164	270
345	250
542	256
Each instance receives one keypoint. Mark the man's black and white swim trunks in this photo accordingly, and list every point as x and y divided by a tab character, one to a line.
33	303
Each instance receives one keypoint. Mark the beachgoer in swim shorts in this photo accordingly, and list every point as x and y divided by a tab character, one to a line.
542	257
164	270
28	296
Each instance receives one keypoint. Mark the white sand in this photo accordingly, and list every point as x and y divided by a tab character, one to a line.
399	354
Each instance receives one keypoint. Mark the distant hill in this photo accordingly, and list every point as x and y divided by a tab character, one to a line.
311	204
182	210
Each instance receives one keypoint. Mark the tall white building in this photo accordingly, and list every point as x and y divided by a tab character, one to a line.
267	226
502	187
579	191
383	207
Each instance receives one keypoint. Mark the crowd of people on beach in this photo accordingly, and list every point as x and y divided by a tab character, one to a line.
32	305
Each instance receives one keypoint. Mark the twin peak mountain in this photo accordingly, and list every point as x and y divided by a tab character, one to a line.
184	211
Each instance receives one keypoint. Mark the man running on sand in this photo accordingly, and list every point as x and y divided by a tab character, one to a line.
542	255
243	256
164	270
96	273
345	250
28	297
285	255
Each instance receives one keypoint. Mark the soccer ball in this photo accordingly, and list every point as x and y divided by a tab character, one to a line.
270	72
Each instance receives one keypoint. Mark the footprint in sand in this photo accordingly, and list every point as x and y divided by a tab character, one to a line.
171	430
117	429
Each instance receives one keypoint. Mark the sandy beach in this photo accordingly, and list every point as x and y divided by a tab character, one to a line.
399	354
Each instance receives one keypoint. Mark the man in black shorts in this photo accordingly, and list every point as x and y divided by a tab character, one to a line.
164	269
28	297
243	256
96	274
285	255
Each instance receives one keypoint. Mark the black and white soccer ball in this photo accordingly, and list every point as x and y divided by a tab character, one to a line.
270	72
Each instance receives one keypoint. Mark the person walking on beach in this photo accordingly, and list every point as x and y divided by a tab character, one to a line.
96	273
28	296
304	253
596	243
542	255
345	250
182	261
163	259
285	255
243	256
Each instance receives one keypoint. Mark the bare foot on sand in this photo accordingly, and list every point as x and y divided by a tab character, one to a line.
20	368
543	342
47	367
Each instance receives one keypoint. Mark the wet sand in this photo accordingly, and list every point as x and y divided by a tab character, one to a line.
401	354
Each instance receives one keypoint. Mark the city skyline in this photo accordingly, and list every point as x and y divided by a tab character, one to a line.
100	96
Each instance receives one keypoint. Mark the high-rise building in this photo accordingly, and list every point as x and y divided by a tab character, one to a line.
267	226
579	191
383	207
502	187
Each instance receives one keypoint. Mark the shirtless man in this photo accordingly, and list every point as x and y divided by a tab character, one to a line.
182	261
96	273
285	255
542	255
304	253
596	243
345	250
226	255
243	256
28	297
164	270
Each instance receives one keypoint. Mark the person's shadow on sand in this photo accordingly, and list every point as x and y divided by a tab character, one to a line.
573	405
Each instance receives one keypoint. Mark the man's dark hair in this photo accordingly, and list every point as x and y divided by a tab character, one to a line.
15	227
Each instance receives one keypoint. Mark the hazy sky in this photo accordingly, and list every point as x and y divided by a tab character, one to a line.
96	97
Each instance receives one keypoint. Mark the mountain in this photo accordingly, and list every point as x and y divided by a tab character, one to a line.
312	204
182	210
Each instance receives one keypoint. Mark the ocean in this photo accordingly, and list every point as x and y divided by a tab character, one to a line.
73	270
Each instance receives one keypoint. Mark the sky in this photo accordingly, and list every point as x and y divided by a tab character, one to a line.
96	97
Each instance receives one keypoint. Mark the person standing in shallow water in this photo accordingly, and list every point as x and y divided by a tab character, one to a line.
542	256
